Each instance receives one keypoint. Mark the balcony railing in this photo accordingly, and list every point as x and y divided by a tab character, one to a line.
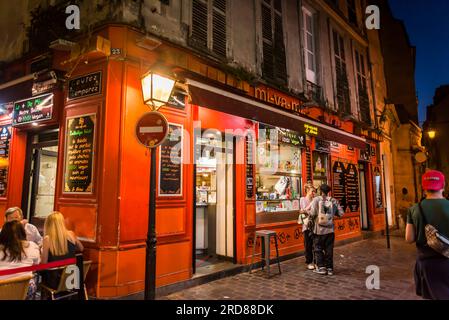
315	93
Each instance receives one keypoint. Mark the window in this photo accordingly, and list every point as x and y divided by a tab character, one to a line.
360	64
208	30
352	12
274	64
309	45
342	85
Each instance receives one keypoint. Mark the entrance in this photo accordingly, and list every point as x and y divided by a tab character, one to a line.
214	211
40	176
363	196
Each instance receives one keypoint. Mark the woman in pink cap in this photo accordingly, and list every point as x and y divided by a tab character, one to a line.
432	268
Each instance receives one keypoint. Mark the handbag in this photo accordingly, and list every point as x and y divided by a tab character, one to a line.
435	239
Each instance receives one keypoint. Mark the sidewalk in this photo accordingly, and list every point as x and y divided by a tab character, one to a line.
348	282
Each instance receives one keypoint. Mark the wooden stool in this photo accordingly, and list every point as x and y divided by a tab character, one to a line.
265	236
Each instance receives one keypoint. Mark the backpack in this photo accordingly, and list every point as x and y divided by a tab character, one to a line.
325	212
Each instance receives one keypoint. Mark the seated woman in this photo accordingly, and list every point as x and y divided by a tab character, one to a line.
58	244
17	252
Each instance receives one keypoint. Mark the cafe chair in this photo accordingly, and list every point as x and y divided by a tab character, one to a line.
62	291
15	288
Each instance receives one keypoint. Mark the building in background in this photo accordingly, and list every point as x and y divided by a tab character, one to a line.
307	71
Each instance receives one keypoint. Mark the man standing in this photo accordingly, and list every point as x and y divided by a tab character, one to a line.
323	210
431	268
15	213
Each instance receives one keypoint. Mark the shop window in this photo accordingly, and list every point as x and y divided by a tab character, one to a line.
208	31
274	63
378	198
309	41
362	88
341	75
5	137
278	174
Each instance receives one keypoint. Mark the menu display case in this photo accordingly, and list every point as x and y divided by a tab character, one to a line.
278	182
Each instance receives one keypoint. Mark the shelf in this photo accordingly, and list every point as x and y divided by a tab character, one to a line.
279	174
278	200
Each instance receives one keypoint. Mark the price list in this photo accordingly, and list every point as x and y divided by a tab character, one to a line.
5	137
352	188
249	167
339	183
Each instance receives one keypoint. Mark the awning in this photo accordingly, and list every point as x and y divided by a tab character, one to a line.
224	101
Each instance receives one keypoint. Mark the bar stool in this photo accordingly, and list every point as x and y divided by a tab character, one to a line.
265	236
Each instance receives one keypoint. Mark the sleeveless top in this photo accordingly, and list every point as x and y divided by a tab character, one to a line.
70	254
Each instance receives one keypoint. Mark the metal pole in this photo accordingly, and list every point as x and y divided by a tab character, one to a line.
387	228
150	263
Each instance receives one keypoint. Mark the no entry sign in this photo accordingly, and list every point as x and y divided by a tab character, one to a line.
152	129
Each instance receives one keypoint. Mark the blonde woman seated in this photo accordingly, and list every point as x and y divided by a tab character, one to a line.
17	252
58	244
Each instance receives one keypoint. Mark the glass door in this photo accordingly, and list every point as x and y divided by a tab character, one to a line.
363	197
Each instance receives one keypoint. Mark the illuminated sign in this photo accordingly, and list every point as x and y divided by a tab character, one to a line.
277	98
310	130
33	110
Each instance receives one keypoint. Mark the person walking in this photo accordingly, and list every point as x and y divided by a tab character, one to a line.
323	210
304	206
431	270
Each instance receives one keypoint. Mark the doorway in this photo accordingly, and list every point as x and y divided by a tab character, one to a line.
214	205
38	198
363	196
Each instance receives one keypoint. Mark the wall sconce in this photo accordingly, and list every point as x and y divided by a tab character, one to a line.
156	89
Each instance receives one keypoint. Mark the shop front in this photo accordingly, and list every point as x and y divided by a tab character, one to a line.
236	160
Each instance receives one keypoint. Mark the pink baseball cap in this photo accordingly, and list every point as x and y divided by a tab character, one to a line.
433	180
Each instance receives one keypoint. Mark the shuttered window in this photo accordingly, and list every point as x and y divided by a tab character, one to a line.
342	84
309	44
274	64
208	31
362	88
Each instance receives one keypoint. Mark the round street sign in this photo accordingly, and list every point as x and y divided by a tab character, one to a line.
420	157
152	129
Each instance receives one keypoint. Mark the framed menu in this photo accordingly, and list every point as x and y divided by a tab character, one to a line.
249	145
339	183
170	162
352	188
79	154
5	137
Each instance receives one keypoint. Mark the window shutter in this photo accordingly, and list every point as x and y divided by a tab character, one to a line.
267	35
199	23
219	27
342	84
280	62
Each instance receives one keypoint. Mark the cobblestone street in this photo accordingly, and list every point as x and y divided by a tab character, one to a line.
348	282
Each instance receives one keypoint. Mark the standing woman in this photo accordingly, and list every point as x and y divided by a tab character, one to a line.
58	244
305	205
431	268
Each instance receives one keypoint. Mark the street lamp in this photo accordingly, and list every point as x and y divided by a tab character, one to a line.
431	133
156	90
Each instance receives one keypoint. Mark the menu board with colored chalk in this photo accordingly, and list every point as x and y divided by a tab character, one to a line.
170	162
352	188
339	183
80	147
5	137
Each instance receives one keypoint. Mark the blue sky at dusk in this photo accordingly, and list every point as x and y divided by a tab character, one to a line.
427	23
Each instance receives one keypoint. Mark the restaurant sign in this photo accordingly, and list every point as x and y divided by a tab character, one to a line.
277	98
310	130
85	86
291	137
33	110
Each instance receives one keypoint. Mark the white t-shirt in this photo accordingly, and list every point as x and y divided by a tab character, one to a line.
31	257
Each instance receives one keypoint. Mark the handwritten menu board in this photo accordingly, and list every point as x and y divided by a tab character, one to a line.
5	137
170	162
352	188
249	166
79	154
85	86
32	110
339	183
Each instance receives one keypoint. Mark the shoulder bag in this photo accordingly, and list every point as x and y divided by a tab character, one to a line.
435	239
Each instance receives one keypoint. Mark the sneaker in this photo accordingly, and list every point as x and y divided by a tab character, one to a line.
330	272
322	271
311	266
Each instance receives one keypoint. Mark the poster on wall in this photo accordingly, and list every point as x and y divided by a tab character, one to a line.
5	137
79	154
170	162
352	188
339	183
319	165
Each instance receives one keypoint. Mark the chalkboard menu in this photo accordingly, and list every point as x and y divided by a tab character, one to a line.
339	183
80	148
249	166
170	162
33	110
352	188
85	86
5	137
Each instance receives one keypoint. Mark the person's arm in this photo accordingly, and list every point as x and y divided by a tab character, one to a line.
35	236
45	249
410	233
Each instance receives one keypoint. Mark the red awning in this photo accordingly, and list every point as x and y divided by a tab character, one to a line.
224	101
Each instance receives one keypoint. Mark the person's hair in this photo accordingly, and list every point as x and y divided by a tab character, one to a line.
12	210
433	191
325	189
57	234
11	241
309	187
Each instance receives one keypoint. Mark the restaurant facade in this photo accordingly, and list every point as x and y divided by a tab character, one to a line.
236	160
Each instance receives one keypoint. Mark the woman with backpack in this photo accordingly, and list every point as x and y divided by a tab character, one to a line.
323	209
